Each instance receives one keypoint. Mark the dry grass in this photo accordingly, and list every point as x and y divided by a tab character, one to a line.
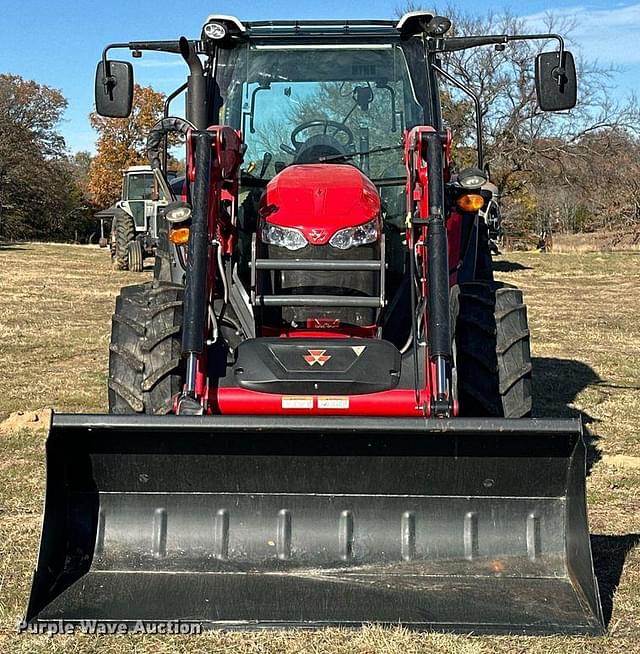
55	310
597	242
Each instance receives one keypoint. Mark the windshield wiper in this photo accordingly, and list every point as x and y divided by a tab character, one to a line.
350	155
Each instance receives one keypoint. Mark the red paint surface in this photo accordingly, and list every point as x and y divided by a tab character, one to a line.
239	401
320	199
343	331
454	238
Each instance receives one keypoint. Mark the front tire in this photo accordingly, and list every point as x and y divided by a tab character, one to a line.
493	354
135	256
145	362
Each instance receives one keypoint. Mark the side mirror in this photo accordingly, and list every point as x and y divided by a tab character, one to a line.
114	89
556	85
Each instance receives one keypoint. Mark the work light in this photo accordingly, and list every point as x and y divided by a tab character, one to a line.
215	31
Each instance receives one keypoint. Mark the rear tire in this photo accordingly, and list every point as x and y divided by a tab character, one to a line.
135	256
123	232
493	357
145	362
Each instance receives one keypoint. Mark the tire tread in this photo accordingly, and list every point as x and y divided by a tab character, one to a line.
493	351
145	364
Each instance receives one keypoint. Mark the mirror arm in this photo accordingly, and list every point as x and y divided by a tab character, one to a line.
108	81
111	102
560	71
158	46
172	47
476	101
456	43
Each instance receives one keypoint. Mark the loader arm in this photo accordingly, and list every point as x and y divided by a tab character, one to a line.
426	154
213	160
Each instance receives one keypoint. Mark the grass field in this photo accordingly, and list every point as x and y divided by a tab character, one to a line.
55	308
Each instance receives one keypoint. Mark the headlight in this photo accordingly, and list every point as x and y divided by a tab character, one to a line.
177	212
472	178
354	236
283	237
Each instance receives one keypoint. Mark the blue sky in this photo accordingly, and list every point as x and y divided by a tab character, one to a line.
58	43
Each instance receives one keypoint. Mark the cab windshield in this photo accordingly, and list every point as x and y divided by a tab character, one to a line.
139	187
319	103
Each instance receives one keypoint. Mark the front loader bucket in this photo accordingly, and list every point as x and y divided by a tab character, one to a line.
469	525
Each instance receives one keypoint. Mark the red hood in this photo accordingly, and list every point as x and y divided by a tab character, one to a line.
320	199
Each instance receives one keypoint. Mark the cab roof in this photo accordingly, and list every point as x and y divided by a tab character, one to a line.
410	24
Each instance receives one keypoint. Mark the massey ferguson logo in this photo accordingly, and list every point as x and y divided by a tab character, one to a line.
316	356
316	235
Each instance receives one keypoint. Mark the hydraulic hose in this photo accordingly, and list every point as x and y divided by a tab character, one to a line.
157	134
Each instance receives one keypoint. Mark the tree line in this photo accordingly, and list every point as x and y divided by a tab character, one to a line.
47	193
41	196
575	171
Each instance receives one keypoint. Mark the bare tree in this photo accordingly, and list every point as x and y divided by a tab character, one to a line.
538	160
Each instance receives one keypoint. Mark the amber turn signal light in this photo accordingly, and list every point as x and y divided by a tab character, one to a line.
470	202
179	236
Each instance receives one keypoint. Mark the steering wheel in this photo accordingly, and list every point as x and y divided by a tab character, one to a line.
325	124
320	145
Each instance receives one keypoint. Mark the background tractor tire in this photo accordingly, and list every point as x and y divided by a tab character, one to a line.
123	232
493	357
145	362
135	256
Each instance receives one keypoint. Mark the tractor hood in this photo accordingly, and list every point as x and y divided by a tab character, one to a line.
320	199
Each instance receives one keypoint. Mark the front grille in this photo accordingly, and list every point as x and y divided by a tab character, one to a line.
325	282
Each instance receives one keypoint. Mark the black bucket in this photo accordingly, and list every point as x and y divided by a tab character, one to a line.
468	525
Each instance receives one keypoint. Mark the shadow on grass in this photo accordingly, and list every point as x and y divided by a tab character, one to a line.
503	265
556	385
609	555
11	245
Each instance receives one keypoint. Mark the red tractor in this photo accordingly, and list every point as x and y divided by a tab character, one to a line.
312	406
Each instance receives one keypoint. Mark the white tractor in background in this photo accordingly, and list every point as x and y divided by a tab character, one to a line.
134	224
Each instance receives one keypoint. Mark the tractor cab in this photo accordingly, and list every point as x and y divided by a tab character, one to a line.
138	184
322	186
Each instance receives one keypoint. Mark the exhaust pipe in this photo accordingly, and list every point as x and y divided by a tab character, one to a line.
196	86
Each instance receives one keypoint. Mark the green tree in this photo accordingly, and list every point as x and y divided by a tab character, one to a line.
37	193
